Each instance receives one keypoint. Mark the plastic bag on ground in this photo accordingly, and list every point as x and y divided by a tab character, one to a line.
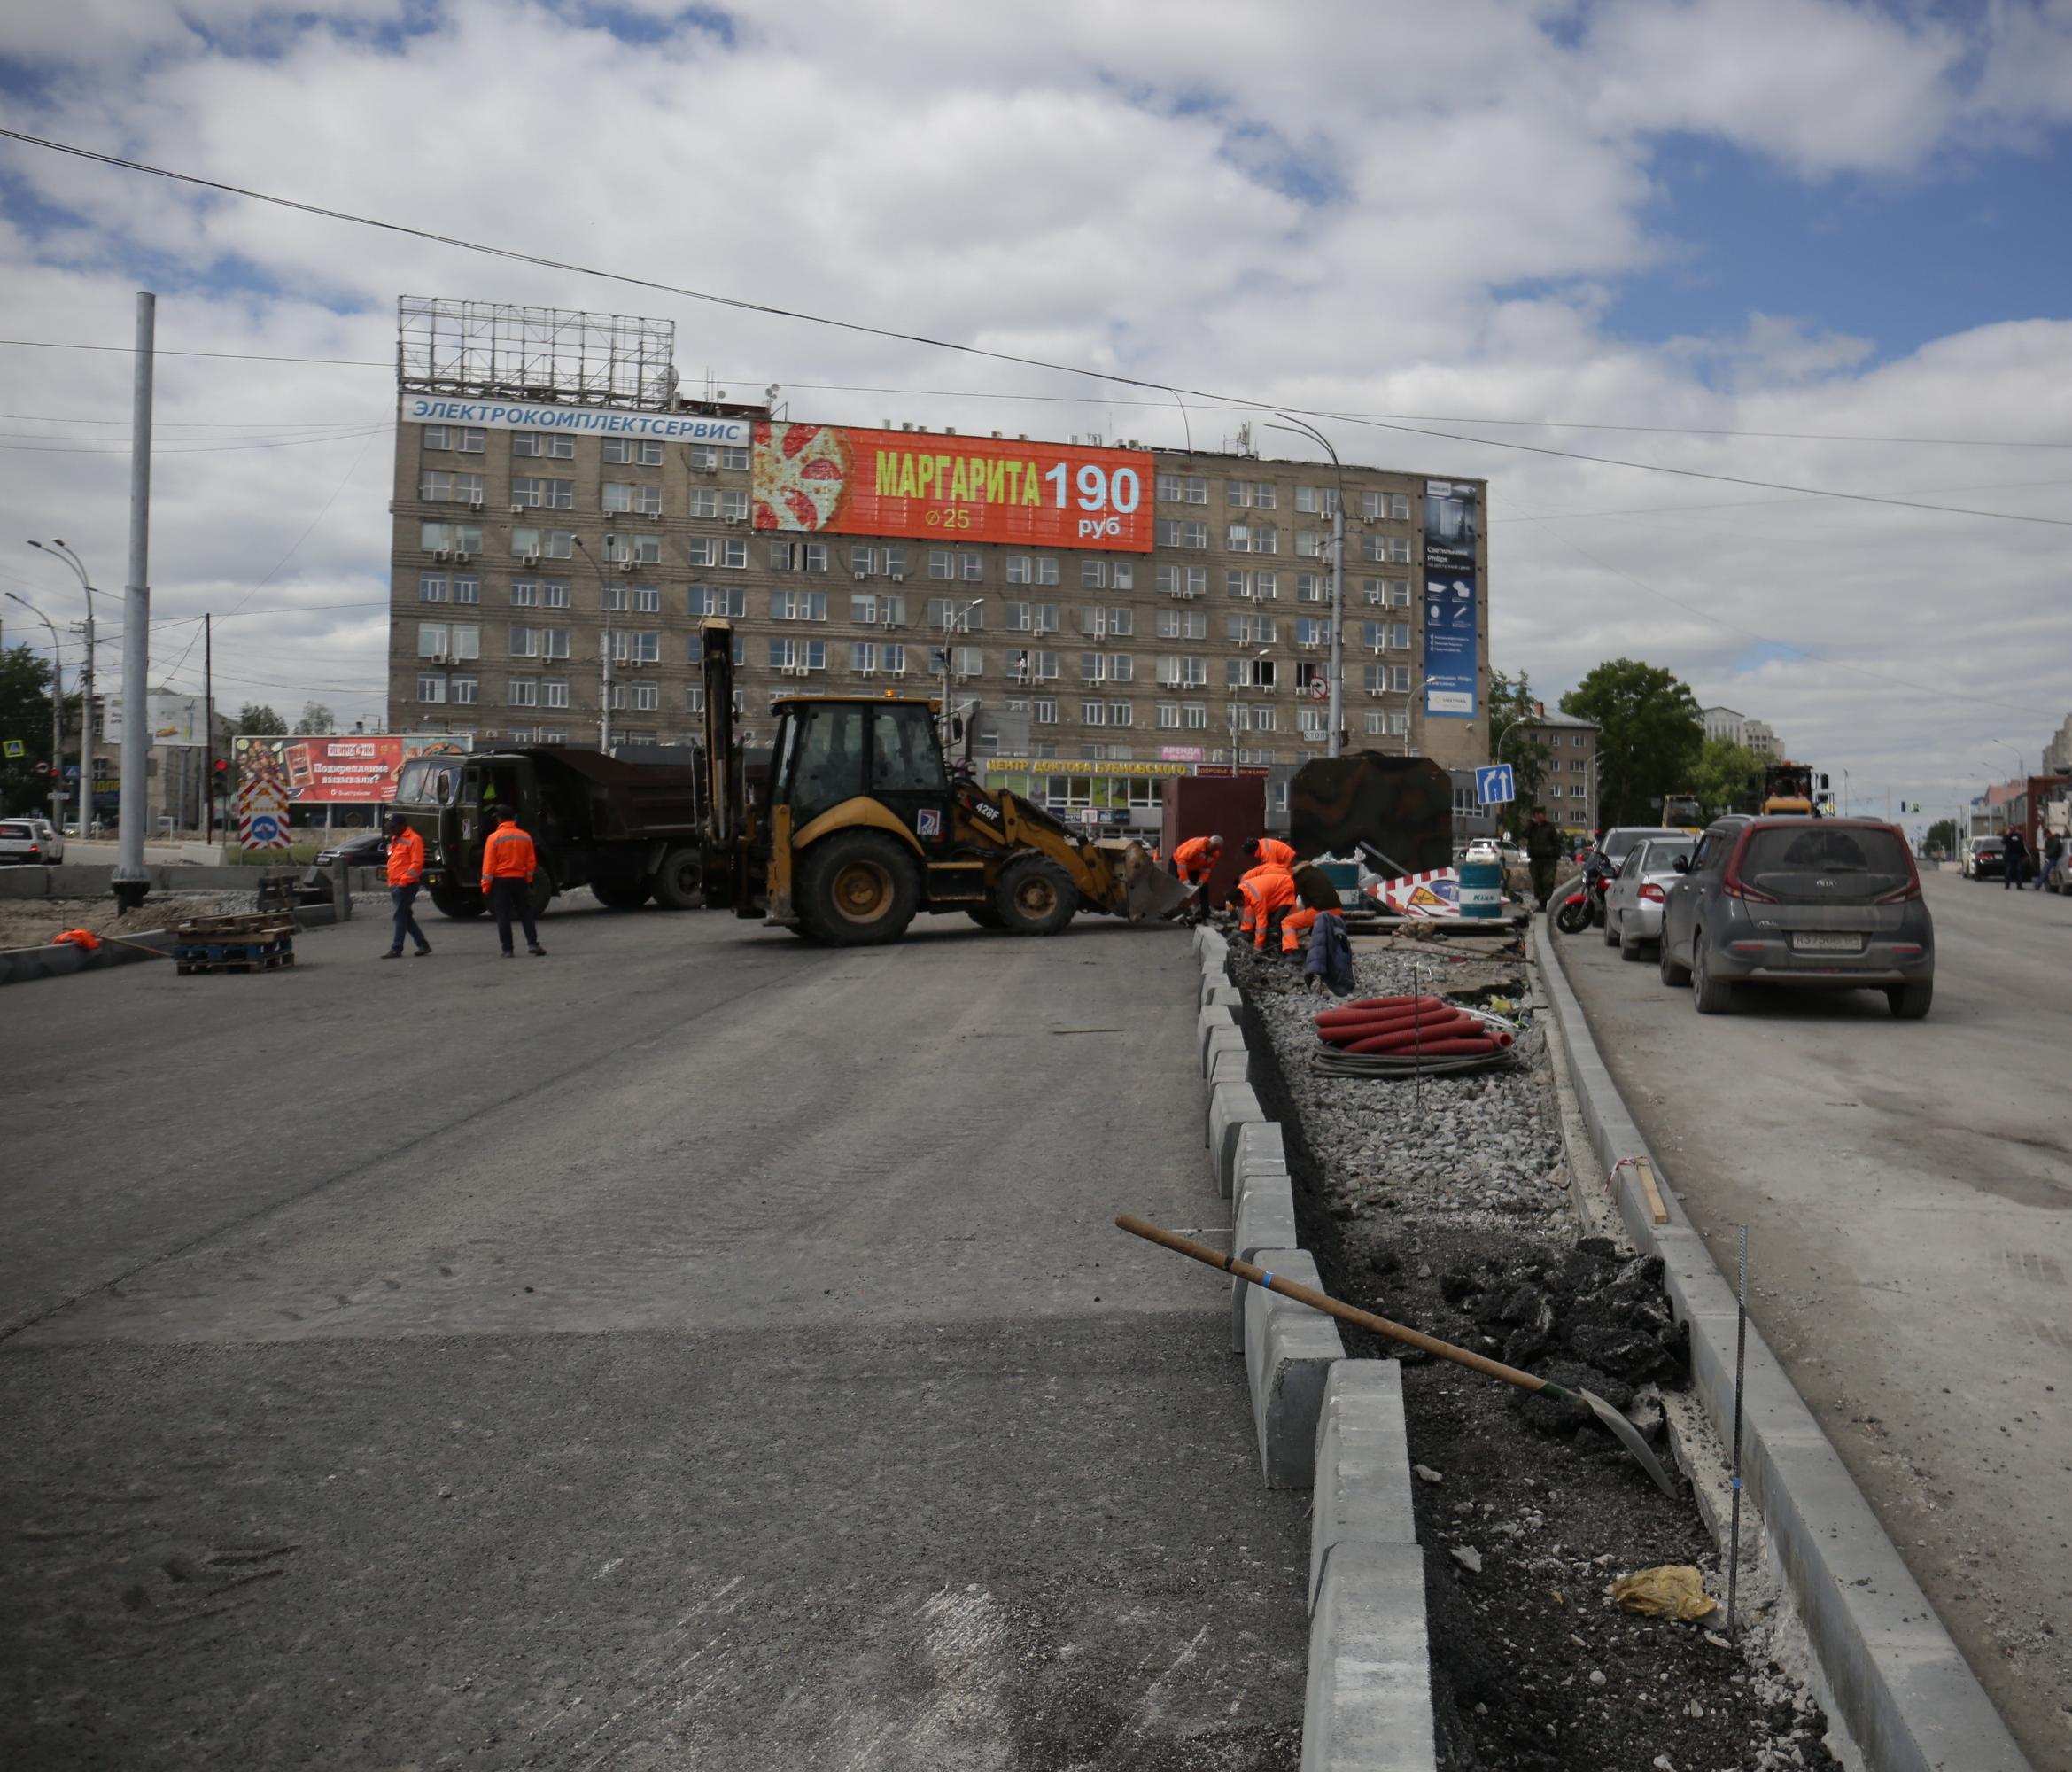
1673	1590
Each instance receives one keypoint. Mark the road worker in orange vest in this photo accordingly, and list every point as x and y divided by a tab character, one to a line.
1265	892
1268	852
405	874
1194	861
508	864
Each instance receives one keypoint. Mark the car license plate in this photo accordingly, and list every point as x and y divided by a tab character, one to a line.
1812	943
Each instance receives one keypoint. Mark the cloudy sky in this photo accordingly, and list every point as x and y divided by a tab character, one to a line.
1795	242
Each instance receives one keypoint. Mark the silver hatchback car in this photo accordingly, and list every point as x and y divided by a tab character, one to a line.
1832	904
1632	905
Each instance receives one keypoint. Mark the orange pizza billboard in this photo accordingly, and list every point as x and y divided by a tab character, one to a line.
923	486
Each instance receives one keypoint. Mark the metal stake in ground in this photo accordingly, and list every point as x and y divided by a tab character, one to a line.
1626	1434
1740	1350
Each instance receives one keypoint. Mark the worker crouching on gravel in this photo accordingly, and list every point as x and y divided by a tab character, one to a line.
1267	892
1316	897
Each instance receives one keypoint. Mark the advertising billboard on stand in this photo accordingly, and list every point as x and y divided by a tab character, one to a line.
358	770
1453	524
835	479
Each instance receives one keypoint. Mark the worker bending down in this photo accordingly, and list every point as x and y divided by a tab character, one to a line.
1194	861
1295	928
1268	852
1267	892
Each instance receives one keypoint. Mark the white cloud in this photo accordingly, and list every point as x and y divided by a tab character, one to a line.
1421	211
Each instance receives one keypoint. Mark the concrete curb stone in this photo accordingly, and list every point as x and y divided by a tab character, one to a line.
1265	1220
1231	1106
24	964
1289	1352
1362	1493
1895	1678
1369	1704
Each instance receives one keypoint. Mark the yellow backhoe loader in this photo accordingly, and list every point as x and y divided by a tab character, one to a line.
858	826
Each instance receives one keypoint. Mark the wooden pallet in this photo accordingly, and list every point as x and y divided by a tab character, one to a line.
233	956
242	926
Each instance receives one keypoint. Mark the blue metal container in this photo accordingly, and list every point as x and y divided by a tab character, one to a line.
1481	883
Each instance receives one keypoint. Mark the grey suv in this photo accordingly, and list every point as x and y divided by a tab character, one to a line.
1834	904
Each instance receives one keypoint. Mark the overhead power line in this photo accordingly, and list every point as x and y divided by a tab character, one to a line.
743	305
226	356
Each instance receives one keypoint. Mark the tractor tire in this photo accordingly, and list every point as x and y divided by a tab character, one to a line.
458	905
856	888
679	885
985	916
1035	897
619	893
1709	995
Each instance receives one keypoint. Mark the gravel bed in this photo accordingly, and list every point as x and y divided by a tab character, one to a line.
32	922
1442	1204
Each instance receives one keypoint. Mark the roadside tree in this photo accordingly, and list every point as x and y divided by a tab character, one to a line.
1727	777
1649	739
1511	703
256	719
1941	839
317	721
25	718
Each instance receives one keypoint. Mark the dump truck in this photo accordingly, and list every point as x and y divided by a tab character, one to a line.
1682	811
1788	791
859	825
628	831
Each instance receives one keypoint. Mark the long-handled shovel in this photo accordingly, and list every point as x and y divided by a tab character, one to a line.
1628	1435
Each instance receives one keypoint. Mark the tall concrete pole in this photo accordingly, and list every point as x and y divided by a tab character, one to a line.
131	882
1337	618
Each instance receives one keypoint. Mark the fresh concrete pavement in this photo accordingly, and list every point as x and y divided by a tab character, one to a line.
1907	1189
692	1348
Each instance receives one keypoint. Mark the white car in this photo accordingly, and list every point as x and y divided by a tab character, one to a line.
1633	906
53	844
21	844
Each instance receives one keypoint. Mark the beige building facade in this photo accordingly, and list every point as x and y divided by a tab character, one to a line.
529	567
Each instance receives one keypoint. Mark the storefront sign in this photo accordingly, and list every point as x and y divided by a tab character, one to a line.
1068	766
929	485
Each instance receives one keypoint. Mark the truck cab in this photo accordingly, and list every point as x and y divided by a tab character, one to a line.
450	798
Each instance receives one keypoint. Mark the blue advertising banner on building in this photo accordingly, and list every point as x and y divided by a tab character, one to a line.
1450	651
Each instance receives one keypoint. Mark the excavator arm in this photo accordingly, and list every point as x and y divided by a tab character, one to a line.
1117	877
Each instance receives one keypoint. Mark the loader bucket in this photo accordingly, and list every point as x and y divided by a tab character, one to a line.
1148	892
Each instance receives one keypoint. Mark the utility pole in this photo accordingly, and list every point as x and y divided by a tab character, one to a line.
131	882
208	737
57	721
1336	737
604	651
956	620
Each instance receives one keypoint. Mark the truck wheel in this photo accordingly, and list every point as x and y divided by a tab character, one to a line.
542	893
858	888
619	894
680	882
1035	897
985	916
457	903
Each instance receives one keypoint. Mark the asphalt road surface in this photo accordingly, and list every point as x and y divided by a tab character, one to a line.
1907	1188
694	1349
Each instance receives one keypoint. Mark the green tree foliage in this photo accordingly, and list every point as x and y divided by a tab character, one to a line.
1648	739
25	714
1727	777
1511	701
1942	838
257	718
316	720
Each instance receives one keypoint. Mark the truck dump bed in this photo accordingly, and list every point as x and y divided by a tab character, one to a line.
624	802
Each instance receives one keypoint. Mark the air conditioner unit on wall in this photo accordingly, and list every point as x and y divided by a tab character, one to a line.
518	510
529	560
461	557
474	504
859	577
627	565
898	577
442	554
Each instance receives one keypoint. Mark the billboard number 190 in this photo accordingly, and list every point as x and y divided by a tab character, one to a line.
1095	488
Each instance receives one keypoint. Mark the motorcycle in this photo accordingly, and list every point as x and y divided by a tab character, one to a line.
1584	907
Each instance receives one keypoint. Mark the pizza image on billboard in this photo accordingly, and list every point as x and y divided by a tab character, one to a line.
837	480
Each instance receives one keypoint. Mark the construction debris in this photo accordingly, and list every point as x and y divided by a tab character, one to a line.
1673	1590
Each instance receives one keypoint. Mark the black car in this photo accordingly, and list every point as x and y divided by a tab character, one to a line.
1986	859
370	849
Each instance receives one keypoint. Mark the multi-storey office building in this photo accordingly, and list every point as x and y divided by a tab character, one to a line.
547	585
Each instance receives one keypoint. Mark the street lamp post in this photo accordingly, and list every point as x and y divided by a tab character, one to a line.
956	620
57	720
59	548
1338	584
603	649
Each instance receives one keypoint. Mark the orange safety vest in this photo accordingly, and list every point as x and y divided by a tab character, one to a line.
1195	858
507	854
1265	890
406	858
1272	853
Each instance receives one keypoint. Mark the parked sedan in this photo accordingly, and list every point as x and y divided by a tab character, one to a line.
21	844
1985	858
369	848
1830	903
1632	908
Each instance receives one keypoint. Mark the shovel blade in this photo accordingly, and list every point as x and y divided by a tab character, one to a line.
1629	1436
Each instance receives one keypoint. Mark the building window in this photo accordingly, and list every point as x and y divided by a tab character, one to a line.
1253	586
647	600
554	692
1320	500
798	655
631	646
522	692
798	606
641	550
705	600
431	587
798	556
443	640
646	452
430	689
465	441
1182	489
543	443
1119	620
967	661
1174	533
438	486
874	609
1043	710
539	494
622	495
612	598
1252	630
734	458
532	544
1393	548
1106	667
945	563
871	656
1389	506
1183	581
458	539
